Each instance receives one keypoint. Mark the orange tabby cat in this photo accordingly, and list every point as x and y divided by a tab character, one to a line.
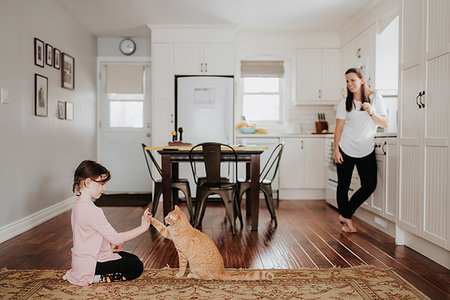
199	250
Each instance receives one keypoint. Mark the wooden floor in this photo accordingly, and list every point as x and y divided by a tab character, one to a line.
308	236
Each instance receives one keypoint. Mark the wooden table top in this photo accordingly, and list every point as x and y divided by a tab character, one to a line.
187	148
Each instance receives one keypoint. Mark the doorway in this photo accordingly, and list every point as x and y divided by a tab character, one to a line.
124	123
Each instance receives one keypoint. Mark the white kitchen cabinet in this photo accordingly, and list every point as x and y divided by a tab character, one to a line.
301	167
383	201
203	59
318	76
424	126
163	104
360	53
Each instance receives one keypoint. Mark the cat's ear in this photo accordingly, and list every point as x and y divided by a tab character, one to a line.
176	207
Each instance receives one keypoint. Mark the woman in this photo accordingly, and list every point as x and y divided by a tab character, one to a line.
357	119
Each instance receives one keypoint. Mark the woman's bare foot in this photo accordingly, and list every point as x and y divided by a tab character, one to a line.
347	225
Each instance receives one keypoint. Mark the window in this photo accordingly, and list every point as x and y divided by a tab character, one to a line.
126	110
261	99
125	95
262	95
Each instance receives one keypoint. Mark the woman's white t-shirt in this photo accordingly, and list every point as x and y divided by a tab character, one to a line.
357	139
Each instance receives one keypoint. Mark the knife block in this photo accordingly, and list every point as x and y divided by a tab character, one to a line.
321	126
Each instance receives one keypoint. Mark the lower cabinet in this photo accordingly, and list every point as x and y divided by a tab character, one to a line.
302	171
383	201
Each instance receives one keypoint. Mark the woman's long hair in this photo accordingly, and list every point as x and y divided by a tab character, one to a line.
349	104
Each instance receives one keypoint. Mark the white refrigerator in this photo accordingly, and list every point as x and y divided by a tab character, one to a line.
204	108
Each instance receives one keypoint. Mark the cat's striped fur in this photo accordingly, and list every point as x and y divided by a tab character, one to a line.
195	247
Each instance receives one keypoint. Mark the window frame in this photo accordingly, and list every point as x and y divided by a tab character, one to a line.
281	104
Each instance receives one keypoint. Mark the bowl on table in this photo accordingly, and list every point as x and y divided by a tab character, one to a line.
247	130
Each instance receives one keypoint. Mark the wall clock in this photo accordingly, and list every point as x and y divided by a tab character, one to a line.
127	46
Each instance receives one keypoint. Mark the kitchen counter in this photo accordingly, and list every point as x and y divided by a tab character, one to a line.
283	135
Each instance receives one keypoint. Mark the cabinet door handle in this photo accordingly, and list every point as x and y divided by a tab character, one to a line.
206	67
417	100
201	67
320	93
383	147
301	145
420	99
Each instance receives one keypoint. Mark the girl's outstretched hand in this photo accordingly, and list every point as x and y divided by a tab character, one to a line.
146	219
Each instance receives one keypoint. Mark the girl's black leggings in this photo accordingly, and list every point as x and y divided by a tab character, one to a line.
367	171
127	268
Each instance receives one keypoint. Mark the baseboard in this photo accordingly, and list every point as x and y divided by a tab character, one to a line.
302	194
20	226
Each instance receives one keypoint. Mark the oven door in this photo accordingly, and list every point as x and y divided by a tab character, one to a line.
330	192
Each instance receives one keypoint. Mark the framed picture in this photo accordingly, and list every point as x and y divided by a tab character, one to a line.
69	111
40	95
61	110
67	71
49	55
56	58
39	52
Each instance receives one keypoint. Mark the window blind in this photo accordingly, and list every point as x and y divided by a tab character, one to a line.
262	68
124	79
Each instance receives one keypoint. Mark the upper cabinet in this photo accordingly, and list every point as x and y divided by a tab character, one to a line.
203	59
318	76
360	53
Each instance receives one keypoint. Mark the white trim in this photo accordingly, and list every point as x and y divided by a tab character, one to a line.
20	226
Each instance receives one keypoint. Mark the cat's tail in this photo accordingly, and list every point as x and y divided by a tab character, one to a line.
249	275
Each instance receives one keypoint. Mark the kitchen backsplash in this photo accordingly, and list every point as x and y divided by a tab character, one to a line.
306	116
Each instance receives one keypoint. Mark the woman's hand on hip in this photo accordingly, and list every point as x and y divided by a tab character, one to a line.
338	157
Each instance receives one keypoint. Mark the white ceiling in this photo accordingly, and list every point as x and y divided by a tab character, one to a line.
112	18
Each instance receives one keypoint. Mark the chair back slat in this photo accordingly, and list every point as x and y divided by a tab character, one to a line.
212	158
272	163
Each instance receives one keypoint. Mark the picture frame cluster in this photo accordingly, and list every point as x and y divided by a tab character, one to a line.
47	55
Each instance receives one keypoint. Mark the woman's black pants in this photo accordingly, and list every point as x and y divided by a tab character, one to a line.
367	171
129	266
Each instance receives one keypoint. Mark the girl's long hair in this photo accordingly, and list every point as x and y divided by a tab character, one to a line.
349	104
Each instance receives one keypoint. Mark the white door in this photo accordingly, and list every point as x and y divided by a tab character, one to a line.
124	123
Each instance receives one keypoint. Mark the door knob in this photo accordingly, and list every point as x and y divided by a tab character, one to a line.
148	134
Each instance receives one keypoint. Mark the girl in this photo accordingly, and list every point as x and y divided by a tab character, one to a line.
94	239
357	119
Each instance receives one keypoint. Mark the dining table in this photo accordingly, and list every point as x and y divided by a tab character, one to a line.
171	156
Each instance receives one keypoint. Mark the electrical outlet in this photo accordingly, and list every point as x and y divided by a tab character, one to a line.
4	95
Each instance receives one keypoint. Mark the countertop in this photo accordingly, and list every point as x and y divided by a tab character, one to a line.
285	135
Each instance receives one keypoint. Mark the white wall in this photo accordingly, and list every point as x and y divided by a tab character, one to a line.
109	46
38	155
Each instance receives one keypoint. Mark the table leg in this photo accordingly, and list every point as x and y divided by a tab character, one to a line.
175	176
248	203
167	183
254	190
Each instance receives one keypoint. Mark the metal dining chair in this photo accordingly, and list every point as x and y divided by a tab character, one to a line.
181	184
214	184
267	176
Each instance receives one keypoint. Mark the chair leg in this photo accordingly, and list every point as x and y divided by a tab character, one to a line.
187	194
268	196
157	193
228	200
201	210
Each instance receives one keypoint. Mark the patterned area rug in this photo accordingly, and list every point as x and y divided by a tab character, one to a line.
351	283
